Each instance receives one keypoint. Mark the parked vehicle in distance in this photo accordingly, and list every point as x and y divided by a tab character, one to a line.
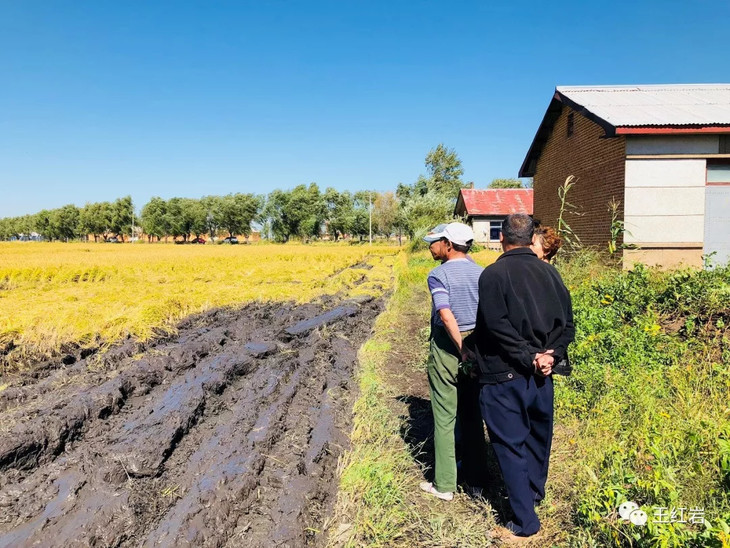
197	241
113	240
229	240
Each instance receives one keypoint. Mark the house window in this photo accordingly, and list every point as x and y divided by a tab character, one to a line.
724	144
718	173
495	227
570	126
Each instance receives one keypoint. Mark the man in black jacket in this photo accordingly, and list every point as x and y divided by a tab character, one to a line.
524	325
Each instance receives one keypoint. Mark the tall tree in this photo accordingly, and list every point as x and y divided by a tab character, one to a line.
237	212
95	219
122	216
42	224
340	212
64	222
275	212
444	170
307	210
154	220
175	221
212	206
362	203
385	213
299	212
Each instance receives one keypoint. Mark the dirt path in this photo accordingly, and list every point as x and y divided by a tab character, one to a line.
226	435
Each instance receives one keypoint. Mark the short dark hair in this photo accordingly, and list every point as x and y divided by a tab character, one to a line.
458	247
462	248
517	229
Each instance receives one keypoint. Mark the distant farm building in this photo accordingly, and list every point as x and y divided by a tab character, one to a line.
662	151
485	209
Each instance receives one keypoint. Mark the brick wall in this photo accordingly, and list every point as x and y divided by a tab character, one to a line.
599	165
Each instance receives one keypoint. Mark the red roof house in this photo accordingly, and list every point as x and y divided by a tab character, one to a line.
485	209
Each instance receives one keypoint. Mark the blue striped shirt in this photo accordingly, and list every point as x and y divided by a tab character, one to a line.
455	285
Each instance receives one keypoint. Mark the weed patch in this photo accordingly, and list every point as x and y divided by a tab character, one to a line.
649	407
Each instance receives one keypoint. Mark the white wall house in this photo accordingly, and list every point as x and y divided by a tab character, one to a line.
678	192
661	151
485	209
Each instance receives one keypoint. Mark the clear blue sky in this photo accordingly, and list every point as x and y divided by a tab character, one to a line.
103	98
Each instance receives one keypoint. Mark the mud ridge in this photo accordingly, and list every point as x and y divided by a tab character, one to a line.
226	434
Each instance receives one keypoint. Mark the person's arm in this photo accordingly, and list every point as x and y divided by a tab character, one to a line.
442	306
452	327
566	337
494	312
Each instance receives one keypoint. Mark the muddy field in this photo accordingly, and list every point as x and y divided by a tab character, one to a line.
227	434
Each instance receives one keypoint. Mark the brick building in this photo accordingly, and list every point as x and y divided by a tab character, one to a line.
661	151
485	209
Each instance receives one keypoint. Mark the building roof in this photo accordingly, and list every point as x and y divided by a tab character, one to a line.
494	201
638	110
657	105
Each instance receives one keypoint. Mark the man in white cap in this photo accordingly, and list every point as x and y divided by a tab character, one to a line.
454	287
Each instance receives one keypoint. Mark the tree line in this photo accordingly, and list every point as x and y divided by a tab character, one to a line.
304	212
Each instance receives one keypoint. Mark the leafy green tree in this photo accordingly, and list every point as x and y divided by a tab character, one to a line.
237	211
64	222
431	199
308	211
16	227
197	213
9	228
362	203
505	183
385	213
212	206
154	219
42	224
444	170
122	216
275	212
95	219
424	212
340	212
175	221
299	212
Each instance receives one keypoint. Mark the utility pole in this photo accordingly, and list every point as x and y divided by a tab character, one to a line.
370	209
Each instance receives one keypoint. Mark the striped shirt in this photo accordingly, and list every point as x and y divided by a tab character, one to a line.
455	285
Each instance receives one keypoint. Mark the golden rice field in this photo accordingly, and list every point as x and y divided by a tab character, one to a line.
53	294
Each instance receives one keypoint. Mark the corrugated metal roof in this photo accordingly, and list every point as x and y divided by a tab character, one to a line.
497	201
654	105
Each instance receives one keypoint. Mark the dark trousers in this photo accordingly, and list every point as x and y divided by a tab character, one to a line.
519	417
471	446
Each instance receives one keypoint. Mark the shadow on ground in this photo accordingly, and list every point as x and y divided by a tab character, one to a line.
417	432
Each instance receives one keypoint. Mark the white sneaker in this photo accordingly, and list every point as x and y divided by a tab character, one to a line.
428	487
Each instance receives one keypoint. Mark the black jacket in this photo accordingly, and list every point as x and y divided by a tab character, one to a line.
524	308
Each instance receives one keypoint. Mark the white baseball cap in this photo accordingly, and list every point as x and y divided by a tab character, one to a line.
456	233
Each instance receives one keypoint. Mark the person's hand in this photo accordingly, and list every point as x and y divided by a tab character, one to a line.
543	362
467	354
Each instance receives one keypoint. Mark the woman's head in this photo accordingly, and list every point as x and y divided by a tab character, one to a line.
545	243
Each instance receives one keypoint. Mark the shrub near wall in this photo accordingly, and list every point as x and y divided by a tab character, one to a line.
648	405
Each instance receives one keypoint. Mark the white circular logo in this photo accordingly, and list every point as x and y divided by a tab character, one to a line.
626	508
638	517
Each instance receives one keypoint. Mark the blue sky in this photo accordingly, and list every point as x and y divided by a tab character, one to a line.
104	98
